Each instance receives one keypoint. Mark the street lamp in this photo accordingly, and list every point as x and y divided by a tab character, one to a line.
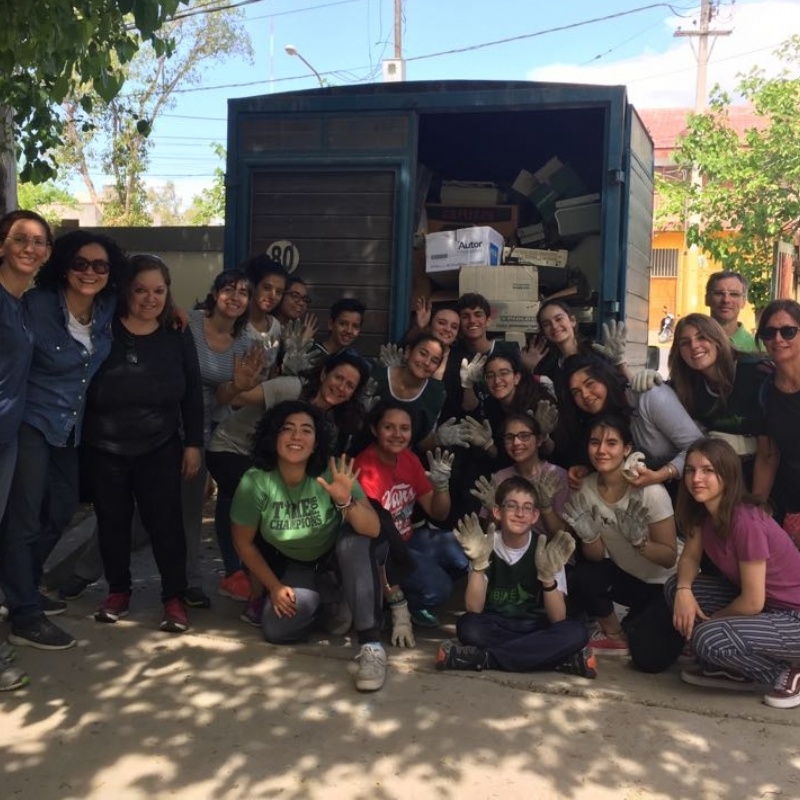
293	51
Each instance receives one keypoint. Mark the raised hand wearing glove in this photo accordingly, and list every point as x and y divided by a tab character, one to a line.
391	355
547	485
477	545
615	337
441	467
584	519
633	521
631	465
451	434
298	357
551	556
402	631
471	371
645	380
369	395
546	416
478	434
484	490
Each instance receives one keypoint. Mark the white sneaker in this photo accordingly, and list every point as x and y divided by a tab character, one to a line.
371	672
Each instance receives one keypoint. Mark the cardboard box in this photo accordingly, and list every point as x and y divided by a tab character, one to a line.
500	283
513	315
504	219
450	250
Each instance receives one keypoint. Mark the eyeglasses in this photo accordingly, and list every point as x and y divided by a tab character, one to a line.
787	332
524	436
500	375
721	294
299	298
36	242
98	265
519	508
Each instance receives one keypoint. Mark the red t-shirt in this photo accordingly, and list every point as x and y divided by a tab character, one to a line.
756	537
396	488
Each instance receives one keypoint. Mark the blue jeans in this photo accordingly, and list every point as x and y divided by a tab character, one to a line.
44	497
439	562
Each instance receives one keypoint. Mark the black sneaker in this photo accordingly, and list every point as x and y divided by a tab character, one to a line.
50	607
73	587
453	655
582	663
43	635
195	597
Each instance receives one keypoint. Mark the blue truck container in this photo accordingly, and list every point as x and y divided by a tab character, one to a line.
337	172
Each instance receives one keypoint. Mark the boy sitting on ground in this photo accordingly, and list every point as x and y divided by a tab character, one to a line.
516	617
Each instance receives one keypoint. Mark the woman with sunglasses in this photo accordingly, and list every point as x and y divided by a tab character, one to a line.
144	393
25	242
721	389
71	310
780	400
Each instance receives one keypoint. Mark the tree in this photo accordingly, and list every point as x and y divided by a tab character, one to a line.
118	133
749	194
164	205
49	50
208	207
48	199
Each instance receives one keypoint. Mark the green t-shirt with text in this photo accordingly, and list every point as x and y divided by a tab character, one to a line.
300	521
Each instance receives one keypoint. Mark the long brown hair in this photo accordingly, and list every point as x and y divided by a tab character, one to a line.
690	515
686	380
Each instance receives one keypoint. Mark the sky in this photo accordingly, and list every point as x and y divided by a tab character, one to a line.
630	42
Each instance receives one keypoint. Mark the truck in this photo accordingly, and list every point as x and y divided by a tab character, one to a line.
338	182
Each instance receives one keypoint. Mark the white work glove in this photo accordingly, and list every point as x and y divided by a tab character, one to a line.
551	556
633	521
478	434
547	486
270	345
645	380
451	434
297	357
476	544
369	395
546	415
441	467
402	631
584	519
484	490
630	466
471	371
391	355
615	337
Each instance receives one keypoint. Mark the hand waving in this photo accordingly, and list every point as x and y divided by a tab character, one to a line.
340	487
633	521
553	555
476	544
615	338
584	519
441	467
484	490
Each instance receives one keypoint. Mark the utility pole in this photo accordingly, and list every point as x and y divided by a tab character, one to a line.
689	283
398	29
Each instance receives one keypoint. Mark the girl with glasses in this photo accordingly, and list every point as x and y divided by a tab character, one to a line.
627	538
720	388
780	399
70	311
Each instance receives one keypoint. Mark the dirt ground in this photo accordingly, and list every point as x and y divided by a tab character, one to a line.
217	713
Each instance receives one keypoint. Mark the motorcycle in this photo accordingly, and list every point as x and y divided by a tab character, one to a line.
667	327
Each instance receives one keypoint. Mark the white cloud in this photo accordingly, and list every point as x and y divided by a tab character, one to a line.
667	79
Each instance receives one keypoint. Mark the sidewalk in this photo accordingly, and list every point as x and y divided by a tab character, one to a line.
216	713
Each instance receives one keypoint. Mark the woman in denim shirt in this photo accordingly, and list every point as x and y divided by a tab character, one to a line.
70	313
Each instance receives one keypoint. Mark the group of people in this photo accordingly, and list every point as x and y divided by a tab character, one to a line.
550	482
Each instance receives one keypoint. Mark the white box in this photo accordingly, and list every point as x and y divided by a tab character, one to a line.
500	283
448	250
536	258
512	315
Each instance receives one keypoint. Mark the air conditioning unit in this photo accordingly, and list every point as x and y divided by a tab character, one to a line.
394	70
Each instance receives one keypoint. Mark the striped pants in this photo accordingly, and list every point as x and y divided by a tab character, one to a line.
758	646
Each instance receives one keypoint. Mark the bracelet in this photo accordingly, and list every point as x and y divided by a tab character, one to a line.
550	588
686	588
344	506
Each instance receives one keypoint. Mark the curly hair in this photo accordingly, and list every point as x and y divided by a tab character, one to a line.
146	262
53	275
227	278
265	438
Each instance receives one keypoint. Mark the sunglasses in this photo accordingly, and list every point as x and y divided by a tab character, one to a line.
787	332
98	265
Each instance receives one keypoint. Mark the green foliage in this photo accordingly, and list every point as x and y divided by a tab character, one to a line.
164	205
208	207
48	50
41	197
117	133
749	194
